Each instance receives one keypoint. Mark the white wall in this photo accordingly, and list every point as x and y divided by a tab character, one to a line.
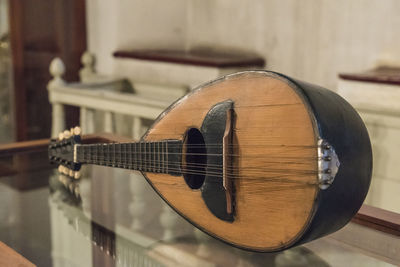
3	17
127	24
312	40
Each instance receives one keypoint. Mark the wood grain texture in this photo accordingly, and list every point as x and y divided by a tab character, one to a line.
9	257
274	133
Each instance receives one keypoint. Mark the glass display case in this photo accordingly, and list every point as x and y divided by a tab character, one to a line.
112	217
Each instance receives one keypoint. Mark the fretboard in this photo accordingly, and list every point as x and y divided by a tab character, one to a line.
157	157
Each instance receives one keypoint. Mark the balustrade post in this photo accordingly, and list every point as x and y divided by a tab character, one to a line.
203	250
57	70
87	70
87	120
85	194
169	221
109	126
137	207
58	119
137	128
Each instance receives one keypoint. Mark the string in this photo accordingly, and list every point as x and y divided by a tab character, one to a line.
172	167
136	161
211	170
155	164
200	144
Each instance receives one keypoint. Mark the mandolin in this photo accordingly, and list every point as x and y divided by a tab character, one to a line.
256	159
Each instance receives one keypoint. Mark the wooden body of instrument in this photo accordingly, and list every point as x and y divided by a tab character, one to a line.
256	159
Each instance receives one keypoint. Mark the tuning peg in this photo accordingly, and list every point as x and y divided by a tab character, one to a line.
77	175
71	173
61	136
60	168
77	130
67	134
65	170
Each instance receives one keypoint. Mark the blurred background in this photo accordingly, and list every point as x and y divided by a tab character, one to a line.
156	51
114	66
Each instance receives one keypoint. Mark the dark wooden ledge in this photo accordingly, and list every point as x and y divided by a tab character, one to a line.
199	57
383	75
41	144
378	219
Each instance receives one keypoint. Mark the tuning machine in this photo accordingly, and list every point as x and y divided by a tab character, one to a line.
68	172
69	133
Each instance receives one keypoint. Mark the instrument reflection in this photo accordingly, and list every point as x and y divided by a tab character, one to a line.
112	217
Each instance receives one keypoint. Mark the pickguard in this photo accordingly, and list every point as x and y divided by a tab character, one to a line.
213	191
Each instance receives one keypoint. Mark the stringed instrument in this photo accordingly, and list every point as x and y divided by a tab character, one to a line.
259	160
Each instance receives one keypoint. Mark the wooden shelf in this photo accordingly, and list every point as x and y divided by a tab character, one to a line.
379	75
200	57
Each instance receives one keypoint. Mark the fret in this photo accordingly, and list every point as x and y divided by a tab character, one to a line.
91	157
109	163
95	156
153	156
88	154
113	154
166	154
123	156
142	155
128	156
150	151
104	154
99	154
158	157
139	156
162	155
119	161
117	155
135	159
92	154
153	150
150	156
146	156
106	148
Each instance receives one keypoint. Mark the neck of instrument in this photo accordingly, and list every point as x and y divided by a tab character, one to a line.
157	157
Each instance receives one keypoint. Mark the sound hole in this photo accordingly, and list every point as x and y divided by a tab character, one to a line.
194	159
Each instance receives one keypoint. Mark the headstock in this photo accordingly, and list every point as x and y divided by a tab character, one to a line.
61	151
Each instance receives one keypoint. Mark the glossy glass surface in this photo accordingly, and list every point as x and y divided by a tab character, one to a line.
112	217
